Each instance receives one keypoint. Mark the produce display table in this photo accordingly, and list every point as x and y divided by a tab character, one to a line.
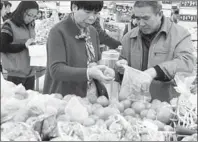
28	115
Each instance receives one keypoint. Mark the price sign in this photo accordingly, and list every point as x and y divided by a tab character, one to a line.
167	1
123	9
111	27
189	18
192	3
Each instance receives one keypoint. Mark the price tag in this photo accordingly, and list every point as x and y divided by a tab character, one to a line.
190	18
167	1
191	3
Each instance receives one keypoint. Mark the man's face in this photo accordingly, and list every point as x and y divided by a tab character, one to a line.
84	18
147	20
7	9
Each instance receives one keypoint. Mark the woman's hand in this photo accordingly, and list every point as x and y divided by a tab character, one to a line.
101	73
29	42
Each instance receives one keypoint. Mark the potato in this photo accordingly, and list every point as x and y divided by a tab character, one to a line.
143	113
103	101
138	106
129	111
126	103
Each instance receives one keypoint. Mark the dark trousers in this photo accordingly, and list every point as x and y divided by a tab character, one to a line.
28	82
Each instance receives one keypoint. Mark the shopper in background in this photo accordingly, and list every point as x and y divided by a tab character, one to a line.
17	34
104	37
8	14
2	12
175	16
159	48
72	53
132	24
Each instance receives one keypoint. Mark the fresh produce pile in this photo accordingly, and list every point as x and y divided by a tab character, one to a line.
43	28
29	115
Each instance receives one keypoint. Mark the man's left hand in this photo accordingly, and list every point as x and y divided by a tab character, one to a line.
152	72
145	79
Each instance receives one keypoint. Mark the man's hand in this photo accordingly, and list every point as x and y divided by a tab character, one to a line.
142	80
147	77
152	72
119	66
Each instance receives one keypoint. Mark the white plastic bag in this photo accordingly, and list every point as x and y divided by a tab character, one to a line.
184	82
76	110
131	90
10	106
6	87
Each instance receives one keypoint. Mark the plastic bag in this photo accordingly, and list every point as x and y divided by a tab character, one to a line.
36	106
131	90
10	107
18	132
71	129
184	82
6	87
20	92
76	110
49	127
187	102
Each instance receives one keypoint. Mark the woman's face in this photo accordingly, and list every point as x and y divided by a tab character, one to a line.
30	15
84	18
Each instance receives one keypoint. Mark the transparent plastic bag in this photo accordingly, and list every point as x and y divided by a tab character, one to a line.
184	82
76	110
186	105
10	106
71	130
18	131
129	88
6	87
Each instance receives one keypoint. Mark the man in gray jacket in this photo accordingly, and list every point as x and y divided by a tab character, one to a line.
158	47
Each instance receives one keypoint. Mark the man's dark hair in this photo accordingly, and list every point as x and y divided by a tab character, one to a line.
88	5
18	14
6	3
156	5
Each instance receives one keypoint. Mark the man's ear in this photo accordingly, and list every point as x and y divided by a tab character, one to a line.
161	13
74	7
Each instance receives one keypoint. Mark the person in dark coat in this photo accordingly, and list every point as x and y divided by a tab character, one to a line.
73	53
104	37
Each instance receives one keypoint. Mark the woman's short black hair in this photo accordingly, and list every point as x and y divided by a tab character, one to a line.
88	5
18	14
